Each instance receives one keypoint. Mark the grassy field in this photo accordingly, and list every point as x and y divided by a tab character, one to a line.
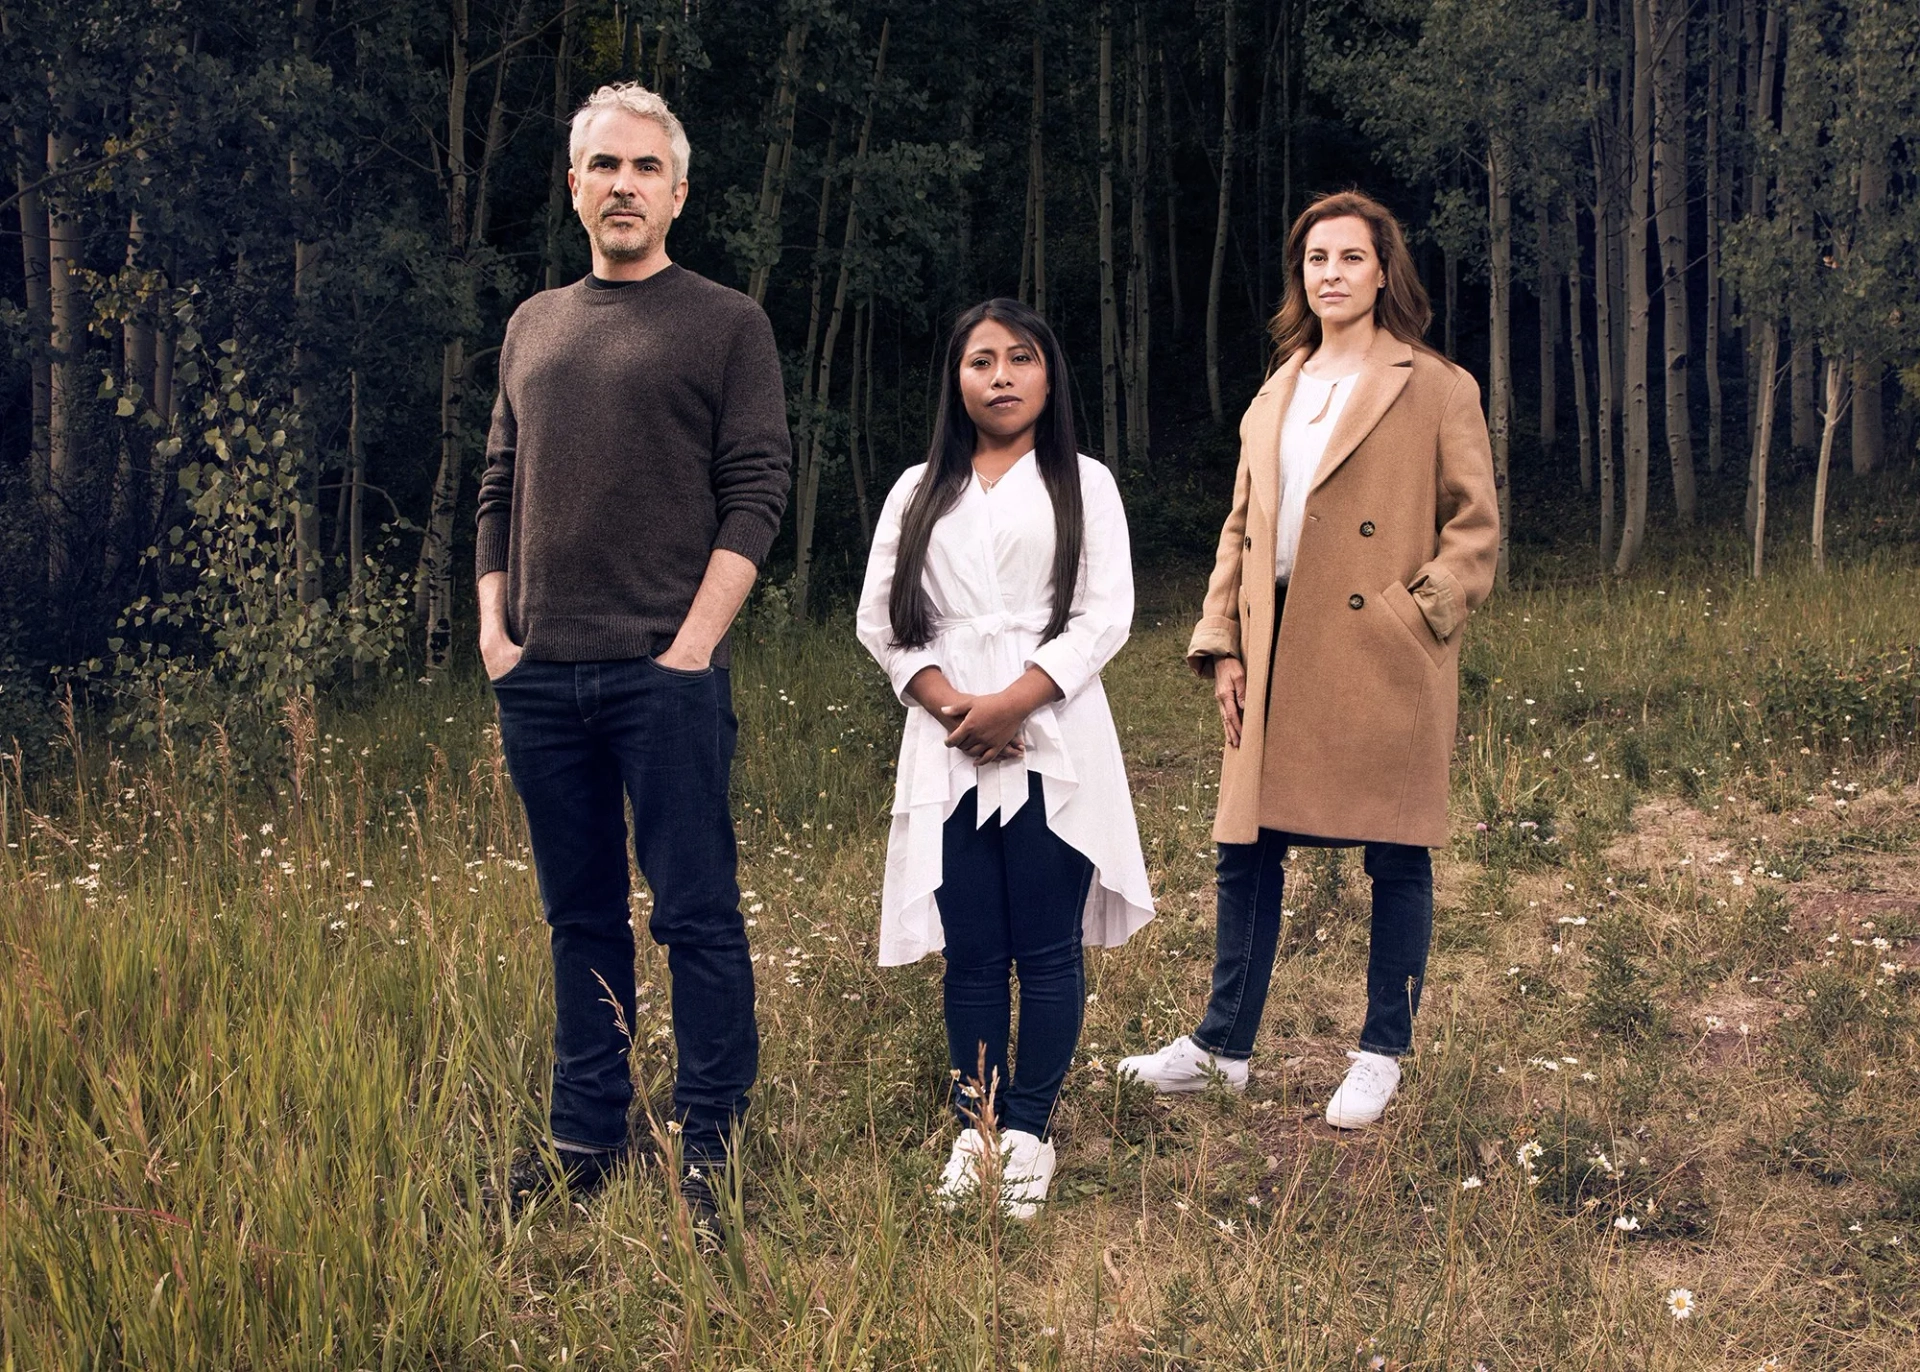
260	1047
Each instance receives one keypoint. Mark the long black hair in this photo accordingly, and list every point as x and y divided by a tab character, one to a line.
950	468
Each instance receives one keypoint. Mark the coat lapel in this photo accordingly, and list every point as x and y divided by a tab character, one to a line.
1382	376
1263	458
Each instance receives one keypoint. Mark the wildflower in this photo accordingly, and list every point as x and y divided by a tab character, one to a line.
1227	1227
1529	1150
1680	1303
1625	1223
1471	1184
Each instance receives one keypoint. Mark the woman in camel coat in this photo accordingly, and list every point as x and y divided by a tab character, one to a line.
1364	529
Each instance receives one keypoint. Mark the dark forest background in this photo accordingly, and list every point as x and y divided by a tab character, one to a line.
258	262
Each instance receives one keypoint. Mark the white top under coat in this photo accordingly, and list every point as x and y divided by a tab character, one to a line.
989	576
1311	415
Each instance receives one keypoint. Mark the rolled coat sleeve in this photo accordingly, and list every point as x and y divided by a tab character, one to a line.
874	620
1460	575
1102	614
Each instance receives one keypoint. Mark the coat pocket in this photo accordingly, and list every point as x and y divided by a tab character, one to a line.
1399	600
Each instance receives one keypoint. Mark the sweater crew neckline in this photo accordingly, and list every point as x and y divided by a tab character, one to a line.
592	286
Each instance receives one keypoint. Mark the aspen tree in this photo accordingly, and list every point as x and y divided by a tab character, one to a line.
1835	388
1033	239
814	445
1223	210
1139	282
1667	28
306	523
67	342
1767	370
1548	301
778	161
1633	529
1577	340
1109	304
1719	210
29	166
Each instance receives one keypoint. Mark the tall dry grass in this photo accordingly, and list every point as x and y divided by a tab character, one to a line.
261	1047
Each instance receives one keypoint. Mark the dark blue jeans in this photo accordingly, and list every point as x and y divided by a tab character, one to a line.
1012	896
583	739
1250	879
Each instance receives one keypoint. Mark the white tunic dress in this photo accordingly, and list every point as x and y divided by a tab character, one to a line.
988	577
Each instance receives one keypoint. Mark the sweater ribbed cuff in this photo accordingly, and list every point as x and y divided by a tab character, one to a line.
747	534
490	545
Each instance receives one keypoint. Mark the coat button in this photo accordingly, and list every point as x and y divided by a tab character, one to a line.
1366	529
1357	601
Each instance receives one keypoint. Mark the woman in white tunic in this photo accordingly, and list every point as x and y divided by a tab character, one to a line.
998	586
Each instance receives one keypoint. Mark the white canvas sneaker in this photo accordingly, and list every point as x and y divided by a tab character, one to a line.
1184	1065
961	1176
1363	1096
1026	1171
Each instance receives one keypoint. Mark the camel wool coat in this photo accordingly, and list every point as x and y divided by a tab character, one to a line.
1351	708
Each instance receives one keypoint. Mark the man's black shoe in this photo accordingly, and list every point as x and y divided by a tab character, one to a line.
703	1206
538	1173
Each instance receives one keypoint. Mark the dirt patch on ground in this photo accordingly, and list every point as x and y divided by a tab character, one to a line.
1664	832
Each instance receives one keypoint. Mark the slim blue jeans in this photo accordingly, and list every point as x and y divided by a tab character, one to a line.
1011	897
1251	877
582	741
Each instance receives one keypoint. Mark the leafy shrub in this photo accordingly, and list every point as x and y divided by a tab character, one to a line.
219	650
1863	698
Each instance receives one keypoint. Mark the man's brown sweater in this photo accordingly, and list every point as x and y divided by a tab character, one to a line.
637	429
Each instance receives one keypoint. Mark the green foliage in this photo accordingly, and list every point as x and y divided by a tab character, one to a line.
224	645
1620	995
1865	696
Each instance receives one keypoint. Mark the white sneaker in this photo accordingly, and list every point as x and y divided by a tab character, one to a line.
1026	1171
1184	1065
961	1176
1363	1096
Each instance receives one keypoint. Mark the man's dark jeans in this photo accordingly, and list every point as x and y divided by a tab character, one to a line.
1250	879
582	739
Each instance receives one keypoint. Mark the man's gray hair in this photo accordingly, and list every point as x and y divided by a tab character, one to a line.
634	98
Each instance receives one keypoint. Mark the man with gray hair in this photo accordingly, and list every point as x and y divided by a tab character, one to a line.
637	469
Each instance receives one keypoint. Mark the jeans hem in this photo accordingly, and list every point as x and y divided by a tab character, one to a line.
1222	1054
1366	1047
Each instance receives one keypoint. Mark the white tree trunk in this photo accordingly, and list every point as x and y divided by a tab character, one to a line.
1836	389
1222	213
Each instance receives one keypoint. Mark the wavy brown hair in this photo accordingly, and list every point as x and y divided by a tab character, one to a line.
1401	308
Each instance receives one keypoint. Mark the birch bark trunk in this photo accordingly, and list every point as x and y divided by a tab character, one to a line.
306	515
1109	302
1717	214
1500	329
67	345
29	166
1549	304
1868	437
1223	210
823	392
1577	339
1170	200
1138	279
557	199
1667	26
1836	392
779	161
1767	373
1639	305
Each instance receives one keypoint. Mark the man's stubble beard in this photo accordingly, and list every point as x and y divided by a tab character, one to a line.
627	249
